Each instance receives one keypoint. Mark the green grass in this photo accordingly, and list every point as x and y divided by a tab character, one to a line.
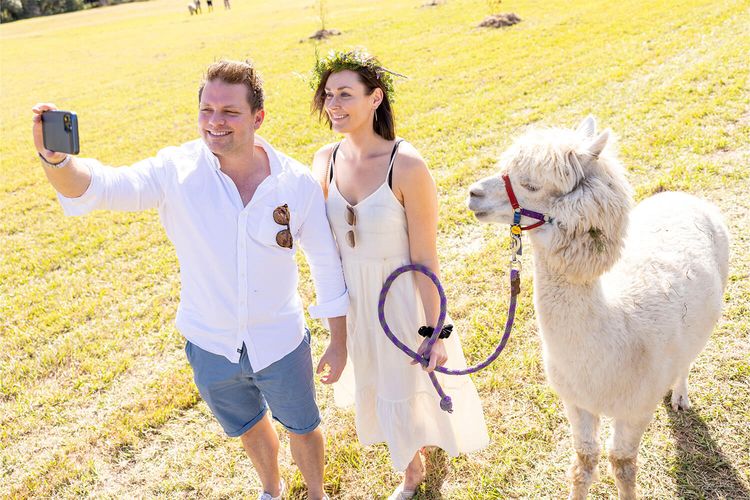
96	397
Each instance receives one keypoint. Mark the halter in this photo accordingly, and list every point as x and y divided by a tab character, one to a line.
516	227
446	403
518	210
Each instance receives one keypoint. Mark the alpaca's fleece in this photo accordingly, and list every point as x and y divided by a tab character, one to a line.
565	174
625	299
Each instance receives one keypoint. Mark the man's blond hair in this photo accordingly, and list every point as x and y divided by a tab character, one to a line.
232	72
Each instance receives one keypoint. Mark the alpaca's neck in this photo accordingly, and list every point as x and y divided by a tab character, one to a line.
571	310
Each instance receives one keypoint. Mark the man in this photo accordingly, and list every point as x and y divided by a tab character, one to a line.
235	210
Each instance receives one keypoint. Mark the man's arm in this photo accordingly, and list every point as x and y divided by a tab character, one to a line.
335	356
73	179
84	184
320	249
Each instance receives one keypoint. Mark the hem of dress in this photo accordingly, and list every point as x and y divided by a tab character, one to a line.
452	448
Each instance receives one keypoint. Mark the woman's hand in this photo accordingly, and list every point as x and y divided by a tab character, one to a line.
438	354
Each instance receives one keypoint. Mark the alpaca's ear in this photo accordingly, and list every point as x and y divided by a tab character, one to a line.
597	145
587	127
569	173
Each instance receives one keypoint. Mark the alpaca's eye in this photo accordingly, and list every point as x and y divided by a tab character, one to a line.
529	187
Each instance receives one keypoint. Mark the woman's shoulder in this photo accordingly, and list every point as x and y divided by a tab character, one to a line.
324	153
411	177
320	160
409	162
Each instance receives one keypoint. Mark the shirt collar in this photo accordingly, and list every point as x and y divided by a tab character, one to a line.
273	158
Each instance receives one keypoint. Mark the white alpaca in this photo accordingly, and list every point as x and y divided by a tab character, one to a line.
625	299
194	7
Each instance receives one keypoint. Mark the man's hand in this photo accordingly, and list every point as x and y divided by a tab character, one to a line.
332	362
438	355
51	156
71	181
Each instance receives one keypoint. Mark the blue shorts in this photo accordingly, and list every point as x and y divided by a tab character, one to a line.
239	397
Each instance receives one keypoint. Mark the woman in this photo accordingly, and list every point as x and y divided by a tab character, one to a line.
382	206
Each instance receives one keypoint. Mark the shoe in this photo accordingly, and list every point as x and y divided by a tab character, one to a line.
268	496
401	494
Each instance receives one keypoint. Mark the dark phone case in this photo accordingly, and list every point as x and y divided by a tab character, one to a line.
57	136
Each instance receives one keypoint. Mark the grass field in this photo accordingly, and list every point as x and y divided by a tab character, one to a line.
96	397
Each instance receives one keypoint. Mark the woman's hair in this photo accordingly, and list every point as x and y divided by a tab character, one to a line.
232	72
371	74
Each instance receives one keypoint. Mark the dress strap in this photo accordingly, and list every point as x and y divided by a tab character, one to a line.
332	160
390	165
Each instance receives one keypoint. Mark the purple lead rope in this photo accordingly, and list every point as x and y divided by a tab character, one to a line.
515	288
445	401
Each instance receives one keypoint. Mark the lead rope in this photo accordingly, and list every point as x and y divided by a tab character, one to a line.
516	247
446	404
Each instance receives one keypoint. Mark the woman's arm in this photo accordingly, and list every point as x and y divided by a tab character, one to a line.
414	184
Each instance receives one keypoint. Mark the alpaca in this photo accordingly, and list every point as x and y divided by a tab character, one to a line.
625	299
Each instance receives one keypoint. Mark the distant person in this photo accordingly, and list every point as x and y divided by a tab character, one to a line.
210	5
226	5
236	211
382	207
198	9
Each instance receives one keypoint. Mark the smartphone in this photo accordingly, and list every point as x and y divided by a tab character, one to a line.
60	131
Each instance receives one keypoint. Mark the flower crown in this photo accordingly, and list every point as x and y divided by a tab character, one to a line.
354	60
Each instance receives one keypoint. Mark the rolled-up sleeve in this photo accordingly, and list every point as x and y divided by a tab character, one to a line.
138	187
317	242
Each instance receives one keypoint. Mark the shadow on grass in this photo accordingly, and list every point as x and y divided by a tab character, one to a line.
701	469
436	461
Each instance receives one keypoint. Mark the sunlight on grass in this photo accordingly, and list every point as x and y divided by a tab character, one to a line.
96	397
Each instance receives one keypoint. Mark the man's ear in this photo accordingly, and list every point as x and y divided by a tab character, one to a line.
260	115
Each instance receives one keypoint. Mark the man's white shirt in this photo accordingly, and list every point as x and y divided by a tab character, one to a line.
238	284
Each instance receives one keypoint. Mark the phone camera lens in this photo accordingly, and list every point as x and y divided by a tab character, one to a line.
66	122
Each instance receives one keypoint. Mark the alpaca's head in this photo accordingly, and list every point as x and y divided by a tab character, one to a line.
575	178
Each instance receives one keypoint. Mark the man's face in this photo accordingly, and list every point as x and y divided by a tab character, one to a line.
226	122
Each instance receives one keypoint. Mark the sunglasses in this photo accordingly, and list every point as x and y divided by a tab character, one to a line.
281	216
351	218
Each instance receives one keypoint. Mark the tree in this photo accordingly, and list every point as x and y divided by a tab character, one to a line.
10	10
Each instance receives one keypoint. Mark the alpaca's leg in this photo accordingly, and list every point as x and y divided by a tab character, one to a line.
623	454
680	399
583	471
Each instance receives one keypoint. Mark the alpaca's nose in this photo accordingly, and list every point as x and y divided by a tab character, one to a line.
476	191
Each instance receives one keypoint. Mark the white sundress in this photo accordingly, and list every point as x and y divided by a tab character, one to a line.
395	401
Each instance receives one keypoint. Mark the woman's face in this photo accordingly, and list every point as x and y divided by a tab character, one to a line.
347	103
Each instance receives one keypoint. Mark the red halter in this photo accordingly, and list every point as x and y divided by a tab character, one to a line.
518	211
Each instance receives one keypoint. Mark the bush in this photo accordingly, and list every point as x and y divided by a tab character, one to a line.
10	10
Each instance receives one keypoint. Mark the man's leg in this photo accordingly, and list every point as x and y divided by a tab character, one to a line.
236	402
261	444
288	387
307	451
